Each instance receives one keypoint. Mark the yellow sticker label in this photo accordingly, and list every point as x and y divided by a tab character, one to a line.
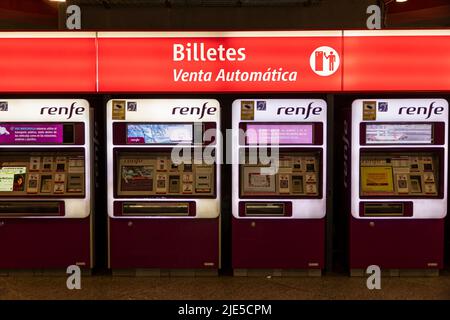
118	110
377	179
247	110
369	110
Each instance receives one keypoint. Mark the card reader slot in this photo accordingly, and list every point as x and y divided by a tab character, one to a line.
156	209
264	209
31	208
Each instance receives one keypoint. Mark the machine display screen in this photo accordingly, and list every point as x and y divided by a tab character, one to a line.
298	174
31	133
154	174
160	133
399	133
43	173
399	174
279	134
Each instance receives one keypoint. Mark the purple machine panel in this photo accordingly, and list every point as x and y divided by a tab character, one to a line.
278	243
280	134
45	243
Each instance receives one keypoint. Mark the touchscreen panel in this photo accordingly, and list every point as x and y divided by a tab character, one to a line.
31	133
160	133
399	133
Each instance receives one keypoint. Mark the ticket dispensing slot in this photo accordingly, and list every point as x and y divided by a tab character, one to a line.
161	209
265	209
31	208
386	209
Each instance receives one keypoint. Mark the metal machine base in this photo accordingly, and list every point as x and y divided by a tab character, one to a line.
165	273
40	273
277	272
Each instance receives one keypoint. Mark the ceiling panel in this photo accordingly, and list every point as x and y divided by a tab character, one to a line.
193	3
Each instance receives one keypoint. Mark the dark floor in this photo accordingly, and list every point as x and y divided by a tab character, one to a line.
331	286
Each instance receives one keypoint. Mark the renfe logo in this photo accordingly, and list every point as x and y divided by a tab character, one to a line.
428	111
69	111
200	111
304	111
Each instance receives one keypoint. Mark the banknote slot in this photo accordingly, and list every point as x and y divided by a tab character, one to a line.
384	209
264	209
156	209
31	208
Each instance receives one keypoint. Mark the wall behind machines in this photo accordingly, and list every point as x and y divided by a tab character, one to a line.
221	14
427	14
28	15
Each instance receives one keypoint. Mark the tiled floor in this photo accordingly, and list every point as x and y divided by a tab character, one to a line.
331	286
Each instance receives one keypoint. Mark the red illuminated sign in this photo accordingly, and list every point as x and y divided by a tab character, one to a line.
396	60
206	62
275	61
47	62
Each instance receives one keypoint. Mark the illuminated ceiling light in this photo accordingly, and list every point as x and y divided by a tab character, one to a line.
401	0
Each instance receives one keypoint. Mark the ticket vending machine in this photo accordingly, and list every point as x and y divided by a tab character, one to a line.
279	185
164	184
396	183
46	198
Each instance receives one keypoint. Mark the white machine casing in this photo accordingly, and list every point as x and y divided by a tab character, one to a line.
422	208
160	111
306	208
29	111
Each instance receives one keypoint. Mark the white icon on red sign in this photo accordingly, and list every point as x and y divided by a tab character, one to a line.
324	61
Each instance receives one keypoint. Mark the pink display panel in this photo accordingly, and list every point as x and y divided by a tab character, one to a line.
285	134
33	133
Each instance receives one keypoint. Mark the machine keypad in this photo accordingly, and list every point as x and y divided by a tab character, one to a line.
156	174
297	175
399	174
42	173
